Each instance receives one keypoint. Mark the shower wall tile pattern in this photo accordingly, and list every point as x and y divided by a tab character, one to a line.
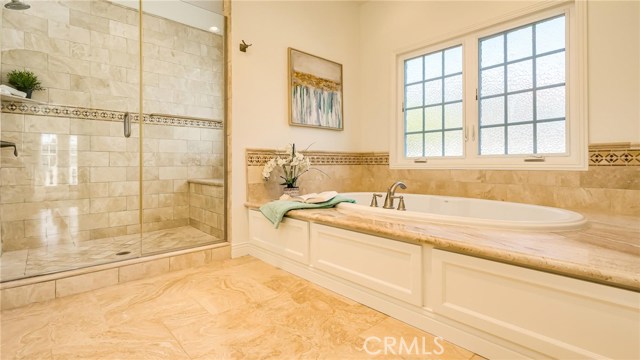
76	176
77	179
17	107
86	55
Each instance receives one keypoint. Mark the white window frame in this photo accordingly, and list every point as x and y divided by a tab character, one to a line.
576	157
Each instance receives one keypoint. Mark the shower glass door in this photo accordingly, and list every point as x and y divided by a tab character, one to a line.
183	136
75	194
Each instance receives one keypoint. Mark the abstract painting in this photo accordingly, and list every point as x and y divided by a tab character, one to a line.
315	91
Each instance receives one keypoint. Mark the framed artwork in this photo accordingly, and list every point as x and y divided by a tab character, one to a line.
315	91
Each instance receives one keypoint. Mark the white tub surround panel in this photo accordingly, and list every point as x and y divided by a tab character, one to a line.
494	309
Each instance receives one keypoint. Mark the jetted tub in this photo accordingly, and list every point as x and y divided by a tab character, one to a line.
467	211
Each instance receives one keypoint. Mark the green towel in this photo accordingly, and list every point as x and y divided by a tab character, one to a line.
275	210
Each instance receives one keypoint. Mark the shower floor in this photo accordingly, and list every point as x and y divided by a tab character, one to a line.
26	263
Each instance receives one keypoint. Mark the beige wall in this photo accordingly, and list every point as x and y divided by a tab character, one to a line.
387	27
259	104
614	71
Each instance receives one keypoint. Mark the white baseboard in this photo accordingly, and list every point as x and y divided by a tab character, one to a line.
240	249
472	339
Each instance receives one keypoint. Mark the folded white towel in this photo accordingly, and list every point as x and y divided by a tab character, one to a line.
8	89
312	198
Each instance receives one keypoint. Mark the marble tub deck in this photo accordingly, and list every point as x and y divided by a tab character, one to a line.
240	308
607	251
27	263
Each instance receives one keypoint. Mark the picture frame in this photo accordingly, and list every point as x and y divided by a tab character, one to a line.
315	91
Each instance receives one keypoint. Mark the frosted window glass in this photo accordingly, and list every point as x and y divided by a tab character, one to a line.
492	141
453	143
520	139
433	65
550	103
550	69
433	92
492	51
453	116
550	35
492	81
433	144
414	145
520	75
519	44
413	70
414	96
414	120
551	137
453	60
520	107
453	88
433	117
492	111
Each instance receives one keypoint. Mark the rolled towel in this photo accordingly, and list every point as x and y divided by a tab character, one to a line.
12	91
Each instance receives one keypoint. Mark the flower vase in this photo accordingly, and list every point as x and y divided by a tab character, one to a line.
291	191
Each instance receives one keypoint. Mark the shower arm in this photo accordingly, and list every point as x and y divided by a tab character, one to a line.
4	144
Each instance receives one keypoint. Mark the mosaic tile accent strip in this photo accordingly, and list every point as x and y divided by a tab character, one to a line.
618	154
105	115
260	157
624	154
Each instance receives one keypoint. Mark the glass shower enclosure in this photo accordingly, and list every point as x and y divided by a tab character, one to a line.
120	154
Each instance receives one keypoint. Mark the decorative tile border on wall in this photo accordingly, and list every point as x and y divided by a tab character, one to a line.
259	157
105	115
614	154
611	154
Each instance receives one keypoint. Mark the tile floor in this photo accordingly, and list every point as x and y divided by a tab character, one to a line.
26	263
241	308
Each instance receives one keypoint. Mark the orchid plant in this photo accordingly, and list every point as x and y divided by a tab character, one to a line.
293	166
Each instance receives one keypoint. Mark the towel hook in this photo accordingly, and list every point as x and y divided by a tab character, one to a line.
244	46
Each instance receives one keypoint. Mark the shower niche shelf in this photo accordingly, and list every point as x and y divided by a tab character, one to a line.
12	98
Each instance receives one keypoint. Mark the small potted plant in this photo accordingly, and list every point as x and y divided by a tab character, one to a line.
24	80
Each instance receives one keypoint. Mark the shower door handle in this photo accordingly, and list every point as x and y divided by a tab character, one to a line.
127	125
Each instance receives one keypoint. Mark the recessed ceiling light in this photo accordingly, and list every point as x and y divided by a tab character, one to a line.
214	29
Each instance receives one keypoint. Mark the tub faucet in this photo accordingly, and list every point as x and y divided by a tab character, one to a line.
391	194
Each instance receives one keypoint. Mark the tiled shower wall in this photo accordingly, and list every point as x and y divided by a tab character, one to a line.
86	54
611	185
77	179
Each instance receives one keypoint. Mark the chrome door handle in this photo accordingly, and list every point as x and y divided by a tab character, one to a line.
127	125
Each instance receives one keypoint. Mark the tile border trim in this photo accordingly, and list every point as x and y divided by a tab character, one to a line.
614	154
11	107
259	157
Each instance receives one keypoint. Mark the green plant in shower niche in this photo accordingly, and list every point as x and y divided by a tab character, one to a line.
24	80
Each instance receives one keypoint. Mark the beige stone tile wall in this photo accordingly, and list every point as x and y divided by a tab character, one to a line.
86	54
78	179
611	189
206	208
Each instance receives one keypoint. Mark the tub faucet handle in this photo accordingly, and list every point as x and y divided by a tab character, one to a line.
374	200
401	203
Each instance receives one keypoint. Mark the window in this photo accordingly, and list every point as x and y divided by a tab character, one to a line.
506	96
522	90
433	104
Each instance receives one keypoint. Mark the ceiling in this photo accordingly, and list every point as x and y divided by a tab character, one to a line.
209	5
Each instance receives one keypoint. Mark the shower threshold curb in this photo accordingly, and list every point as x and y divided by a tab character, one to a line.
21	292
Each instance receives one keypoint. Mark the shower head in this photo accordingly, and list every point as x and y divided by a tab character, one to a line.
16	5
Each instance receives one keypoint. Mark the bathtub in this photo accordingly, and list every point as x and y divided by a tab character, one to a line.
467	211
